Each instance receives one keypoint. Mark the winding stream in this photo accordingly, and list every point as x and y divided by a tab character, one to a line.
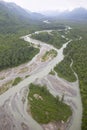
77	112
12	97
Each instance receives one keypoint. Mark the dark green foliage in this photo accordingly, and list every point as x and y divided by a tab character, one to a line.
52	53
52	72
52	26
63	70
16	81
79	55
77	50
49	109
55	39
15	51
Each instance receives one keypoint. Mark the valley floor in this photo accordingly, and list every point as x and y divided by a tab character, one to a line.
13	103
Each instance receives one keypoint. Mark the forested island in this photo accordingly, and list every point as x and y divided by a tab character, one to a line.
54	38
45	107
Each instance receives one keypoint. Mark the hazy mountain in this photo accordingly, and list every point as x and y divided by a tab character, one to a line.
12	15
51	13
76	14
35	15
12	12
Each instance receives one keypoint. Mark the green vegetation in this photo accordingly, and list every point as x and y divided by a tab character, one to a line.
77	50
15	51
52	26
14	23
54	38
5	87
45	107
64	71
52	72
2	77
27	76
16	81
49	54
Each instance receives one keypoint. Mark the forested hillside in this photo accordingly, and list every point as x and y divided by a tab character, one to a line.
50	104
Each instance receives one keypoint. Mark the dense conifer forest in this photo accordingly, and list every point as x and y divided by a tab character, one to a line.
15	51
77	51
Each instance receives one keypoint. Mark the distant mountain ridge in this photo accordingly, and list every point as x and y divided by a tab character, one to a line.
13	16
76	14
13	9
35	15
10	9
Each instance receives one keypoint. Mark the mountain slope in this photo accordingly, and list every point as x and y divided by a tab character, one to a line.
76	14
12	12
35	15
13	17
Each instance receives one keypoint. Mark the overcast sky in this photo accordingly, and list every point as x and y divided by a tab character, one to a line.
43	5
